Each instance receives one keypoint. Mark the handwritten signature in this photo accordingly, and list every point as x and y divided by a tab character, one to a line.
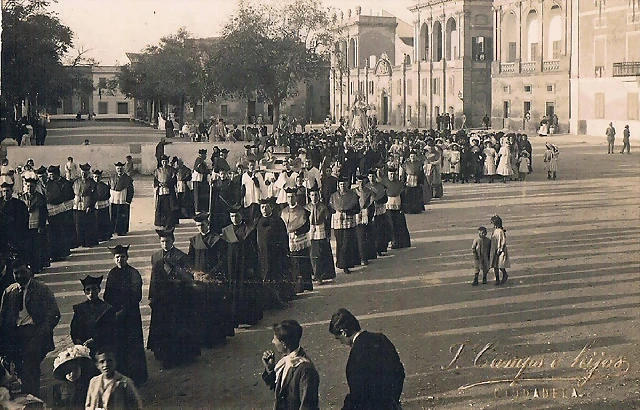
588	360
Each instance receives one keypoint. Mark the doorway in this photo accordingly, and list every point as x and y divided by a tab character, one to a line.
550	109
385	110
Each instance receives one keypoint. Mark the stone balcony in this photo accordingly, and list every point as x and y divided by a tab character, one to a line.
508	67
552	65
626	69
528	67
531	67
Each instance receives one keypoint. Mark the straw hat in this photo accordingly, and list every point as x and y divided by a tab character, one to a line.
67	359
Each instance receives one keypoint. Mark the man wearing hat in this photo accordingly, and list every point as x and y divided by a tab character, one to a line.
252	192
121	193
14	222
41	174
220	164
296	219
381	227
59	194
273	254
242	267
206	255
414	179
345	205
173	335
201	182
626	134
164	182
123	291
286	179
103	218
36	236
364	220
28	315
184	193
320	250
93	323
399	233
84	189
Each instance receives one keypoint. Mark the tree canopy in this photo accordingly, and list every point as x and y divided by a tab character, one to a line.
34	43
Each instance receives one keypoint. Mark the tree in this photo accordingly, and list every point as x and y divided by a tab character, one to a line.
34	42
266	51
170	72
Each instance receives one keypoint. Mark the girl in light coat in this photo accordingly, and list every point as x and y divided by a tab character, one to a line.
499	256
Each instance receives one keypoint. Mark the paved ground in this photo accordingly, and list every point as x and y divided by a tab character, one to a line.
574	245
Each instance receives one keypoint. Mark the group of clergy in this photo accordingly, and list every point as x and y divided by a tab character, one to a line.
53	215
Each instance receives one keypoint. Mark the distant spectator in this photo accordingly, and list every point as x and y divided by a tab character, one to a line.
611	138
625	140
86	142
168	128
128	166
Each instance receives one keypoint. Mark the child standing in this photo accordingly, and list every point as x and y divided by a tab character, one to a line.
551	160
455	157
481	248
523	165
499	256
111	390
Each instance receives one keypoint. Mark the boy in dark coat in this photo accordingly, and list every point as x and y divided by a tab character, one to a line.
481	248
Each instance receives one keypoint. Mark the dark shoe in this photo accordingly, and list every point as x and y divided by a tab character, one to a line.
504	278
497	283
475	282
484	279
346	271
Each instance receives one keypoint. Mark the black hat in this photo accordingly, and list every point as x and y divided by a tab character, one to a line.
91	280
362	177
96	172
201	217
30	179
120	249
6	184
54	169
165	233
290	190
248	146
224	150
119	164
235	208
373	171
268	201
314	188
392	169
42	170
85	167
343	178
164	158
202	151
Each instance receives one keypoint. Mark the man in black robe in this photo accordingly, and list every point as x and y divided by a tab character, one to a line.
273	255
345	205
320	250
93	322
84	189
164	182
381	227
242	269
173	335
121	196
375	374
207	256
123	291
183	191
57	193
364	221
201	182
103	218
399	233
36	236
14	222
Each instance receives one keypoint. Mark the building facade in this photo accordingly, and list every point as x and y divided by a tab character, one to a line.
606	82
104	102
441	64
532	53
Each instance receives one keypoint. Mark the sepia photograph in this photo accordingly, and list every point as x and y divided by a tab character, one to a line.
320	204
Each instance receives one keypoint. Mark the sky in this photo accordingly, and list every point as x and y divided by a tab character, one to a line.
107	29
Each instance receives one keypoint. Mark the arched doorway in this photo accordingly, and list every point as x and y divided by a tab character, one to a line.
424	43
532	37
384	106
554	34
509	38
452	40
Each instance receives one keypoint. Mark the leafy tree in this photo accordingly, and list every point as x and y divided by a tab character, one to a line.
34	42
266	51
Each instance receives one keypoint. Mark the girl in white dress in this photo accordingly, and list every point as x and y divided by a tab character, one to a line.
504	164
489	160
446	162
499	256
454	156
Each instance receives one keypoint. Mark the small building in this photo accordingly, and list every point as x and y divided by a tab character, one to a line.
605	83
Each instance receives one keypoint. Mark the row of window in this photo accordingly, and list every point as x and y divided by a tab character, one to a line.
601	21
435	86
549	109
122	107
632	106
534	52
528	88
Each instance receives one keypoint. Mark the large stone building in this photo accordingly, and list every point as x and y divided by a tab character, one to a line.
605	83
408	75
531	69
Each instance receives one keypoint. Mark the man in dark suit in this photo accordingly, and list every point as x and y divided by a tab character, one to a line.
28	315
375	374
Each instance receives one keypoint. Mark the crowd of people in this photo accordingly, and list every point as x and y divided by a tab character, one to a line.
264	229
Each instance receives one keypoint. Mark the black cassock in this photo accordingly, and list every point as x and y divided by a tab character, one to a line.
121	196
123	291
173	335
273	255
213	301
14	223
93	320
103	218
245	282
84	212
57	194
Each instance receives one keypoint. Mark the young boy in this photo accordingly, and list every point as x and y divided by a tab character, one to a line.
481	248
523	165
111	390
